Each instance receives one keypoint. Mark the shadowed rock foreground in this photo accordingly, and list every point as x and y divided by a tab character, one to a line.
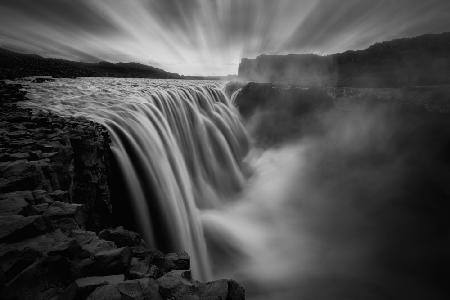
56	218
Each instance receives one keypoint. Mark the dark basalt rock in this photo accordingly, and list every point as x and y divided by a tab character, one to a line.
112	261
13	262
60	159
176	285
179	285
141	268
16	227
44	279
121	237
90	243
82	287
132	289
14	206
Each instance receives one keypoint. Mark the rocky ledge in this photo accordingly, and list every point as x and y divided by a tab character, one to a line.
56	235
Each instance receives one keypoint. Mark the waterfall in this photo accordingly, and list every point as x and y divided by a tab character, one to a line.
179	146
185	146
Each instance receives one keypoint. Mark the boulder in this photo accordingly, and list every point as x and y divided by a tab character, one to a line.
172	261
55	243
44	279
121	237
82	287
217	290
11	206
131	289
66	216
40	208
106	292
67	224
235	291
26	196
59	195
62	209
113	261
16	156
42	196
69	248
178	261
90	243
176	285
16	227
140	268
14	261
22	175
144	252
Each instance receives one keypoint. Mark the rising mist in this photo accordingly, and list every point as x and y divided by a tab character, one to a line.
354	206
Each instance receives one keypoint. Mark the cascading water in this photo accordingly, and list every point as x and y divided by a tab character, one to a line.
306	225
179	146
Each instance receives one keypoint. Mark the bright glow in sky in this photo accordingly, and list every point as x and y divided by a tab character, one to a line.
209	37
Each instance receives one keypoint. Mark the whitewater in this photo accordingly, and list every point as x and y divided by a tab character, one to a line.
179	146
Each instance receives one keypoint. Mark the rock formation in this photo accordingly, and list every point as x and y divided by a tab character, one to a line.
423	60
275	113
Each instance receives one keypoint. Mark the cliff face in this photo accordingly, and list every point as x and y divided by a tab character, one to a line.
46	157
423	60
304	69
276	113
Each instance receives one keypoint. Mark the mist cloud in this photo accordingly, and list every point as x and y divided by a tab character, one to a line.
355	210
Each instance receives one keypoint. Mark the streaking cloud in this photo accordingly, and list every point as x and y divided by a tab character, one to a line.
209	37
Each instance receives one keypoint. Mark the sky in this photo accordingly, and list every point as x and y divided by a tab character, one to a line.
209	37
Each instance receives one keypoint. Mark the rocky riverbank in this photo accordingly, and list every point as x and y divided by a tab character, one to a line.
56	235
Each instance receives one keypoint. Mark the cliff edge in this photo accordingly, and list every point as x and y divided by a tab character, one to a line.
422	60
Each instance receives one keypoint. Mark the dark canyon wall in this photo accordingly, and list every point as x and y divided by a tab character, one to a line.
423	60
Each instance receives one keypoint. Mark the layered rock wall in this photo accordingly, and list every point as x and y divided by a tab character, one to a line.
47	158
423	60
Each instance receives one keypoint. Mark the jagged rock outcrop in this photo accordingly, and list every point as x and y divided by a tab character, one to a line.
46	158
56	265
423	60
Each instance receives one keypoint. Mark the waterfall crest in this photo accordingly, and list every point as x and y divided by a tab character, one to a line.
179	149
186	147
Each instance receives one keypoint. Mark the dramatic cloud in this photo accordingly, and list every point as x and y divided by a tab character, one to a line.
209	36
